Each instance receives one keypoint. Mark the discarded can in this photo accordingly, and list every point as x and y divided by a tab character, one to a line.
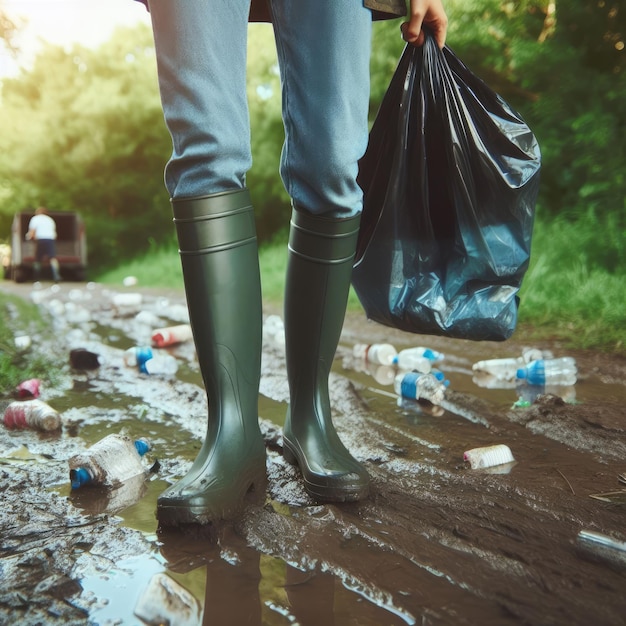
109	462
488	456
28	388
34	414
171	335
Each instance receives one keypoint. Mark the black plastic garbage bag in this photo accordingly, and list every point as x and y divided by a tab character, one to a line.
450	178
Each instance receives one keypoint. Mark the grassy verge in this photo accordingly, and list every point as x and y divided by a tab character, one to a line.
19	317
574	290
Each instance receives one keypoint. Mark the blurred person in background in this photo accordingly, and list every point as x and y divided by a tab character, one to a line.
43	230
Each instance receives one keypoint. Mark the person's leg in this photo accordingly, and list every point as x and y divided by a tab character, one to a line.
323	51
201	51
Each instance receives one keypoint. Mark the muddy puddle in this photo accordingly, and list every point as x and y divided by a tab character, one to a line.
538	541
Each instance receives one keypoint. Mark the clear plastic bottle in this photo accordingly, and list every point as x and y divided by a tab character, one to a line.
163	364
429	353
171	335
108	462
34	414
137	356
502	369
561	371
419	387
413	359
378	353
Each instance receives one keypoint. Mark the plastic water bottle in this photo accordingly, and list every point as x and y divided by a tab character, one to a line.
502	369
163	364
413	359
440	376
419	387
137	356
549	371
109	462
34	414
171	335
432	355
379	353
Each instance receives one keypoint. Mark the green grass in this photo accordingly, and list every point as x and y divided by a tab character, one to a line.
574	290
19	317
575	287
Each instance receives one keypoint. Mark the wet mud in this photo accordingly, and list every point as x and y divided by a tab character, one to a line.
538	541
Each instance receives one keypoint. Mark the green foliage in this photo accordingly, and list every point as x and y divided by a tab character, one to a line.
18	317
83	131
575	287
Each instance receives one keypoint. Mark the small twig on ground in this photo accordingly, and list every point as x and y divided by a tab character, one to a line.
567	481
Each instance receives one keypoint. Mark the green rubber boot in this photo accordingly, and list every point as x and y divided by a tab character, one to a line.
319	269
218	249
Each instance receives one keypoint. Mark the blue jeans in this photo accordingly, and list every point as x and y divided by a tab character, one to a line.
323	52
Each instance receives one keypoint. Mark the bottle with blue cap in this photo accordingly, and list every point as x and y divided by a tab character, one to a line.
109	462
418	386
413	359
561	371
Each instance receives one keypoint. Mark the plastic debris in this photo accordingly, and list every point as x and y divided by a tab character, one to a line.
488	456
109	462
34	414
28	388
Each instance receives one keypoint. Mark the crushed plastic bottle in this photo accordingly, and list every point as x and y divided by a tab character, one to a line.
137	356
419	386
560	371
34	414
501	369
170	336
160	364
378	353
413	359
109	462
489	381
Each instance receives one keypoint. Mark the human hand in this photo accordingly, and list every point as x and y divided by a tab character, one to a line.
429	13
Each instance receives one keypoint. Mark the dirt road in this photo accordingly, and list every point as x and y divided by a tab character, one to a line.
436	542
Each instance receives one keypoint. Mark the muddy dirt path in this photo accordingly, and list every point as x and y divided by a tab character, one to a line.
436	543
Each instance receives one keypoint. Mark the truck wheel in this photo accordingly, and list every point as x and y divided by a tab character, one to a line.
19	275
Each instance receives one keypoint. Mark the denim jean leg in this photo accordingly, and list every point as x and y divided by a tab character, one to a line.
201	58
324	53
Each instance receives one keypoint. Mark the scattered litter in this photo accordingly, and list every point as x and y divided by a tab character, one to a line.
28	388
603	546
130	281
22	342
33	414
171	335
82	359
165	601
109	462
488	456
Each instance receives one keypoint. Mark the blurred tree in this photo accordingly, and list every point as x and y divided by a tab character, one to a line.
83	129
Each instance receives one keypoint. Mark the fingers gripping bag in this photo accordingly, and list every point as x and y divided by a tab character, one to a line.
450	180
